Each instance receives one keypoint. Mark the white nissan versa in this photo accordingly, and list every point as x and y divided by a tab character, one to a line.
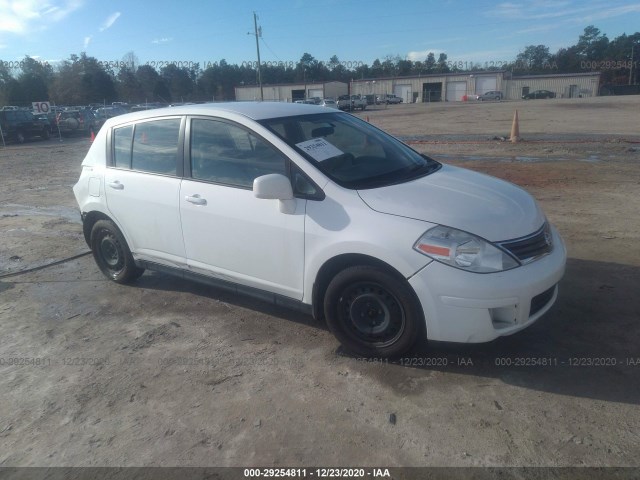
320	210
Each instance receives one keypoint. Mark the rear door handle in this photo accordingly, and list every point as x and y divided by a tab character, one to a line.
116	185
196	199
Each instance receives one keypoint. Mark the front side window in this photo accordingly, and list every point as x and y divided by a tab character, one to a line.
350	151
226	153
155	146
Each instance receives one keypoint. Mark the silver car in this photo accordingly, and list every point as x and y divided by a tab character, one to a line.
329	103
492	95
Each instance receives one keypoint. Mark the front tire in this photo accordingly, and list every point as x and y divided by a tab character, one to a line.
112	254
373	312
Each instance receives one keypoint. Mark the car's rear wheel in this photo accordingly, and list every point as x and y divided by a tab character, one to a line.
112	254
372	312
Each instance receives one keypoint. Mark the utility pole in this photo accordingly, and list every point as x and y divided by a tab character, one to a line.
258	33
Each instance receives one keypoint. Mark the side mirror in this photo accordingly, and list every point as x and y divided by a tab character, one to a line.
275	187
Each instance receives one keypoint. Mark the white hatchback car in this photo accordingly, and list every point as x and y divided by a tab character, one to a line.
320	210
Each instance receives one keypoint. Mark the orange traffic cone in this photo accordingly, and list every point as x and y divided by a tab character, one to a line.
93	136
515	129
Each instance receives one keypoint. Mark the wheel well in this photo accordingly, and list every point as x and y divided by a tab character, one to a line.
88	221
334	266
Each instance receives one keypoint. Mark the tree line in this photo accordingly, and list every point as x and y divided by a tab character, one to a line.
82	79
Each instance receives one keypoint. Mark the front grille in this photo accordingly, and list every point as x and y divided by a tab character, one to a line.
541	300
527	249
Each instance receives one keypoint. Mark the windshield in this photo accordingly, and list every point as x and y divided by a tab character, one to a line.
350	151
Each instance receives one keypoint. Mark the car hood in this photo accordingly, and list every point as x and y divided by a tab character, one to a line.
476	203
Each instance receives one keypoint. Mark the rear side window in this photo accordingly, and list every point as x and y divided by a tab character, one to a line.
155	146
122	146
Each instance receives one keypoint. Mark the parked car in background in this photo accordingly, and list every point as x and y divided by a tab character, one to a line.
104	113
539	94
122	105
491	95
344	102
371	99
351	102
329	103
45	119
21	125
358	102
388	99
389	246
80	122
146	106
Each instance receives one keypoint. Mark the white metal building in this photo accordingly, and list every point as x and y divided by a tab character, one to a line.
453	87
289	92
432	88
569	85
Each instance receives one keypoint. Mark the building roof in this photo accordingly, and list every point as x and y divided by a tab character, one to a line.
298	84
429	75
555	75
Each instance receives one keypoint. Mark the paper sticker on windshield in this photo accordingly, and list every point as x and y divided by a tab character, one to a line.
319	149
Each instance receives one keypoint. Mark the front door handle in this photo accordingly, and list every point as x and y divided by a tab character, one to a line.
116	185
196	199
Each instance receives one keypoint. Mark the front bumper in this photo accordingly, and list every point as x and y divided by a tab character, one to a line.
461	306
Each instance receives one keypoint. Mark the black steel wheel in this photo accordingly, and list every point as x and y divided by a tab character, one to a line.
112	254
373	312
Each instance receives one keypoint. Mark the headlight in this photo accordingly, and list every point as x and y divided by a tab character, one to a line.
463	250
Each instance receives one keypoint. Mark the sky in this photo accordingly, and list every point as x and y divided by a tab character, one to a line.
355	30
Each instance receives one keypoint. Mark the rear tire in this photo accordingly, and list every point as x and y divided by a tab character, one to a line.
112	254
373	312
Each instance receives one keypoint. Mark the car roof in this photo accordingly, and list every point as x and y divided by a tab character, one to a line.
253	110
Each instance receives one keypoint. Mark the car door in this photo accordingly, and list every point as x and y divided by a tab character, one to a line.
142	184
228	232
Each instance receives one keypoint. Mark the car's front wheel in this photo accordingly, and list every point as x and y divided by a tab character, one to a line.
373	312
112	254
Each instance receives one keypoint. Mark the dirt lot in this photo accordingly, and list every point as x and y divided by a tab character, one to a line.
172	373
